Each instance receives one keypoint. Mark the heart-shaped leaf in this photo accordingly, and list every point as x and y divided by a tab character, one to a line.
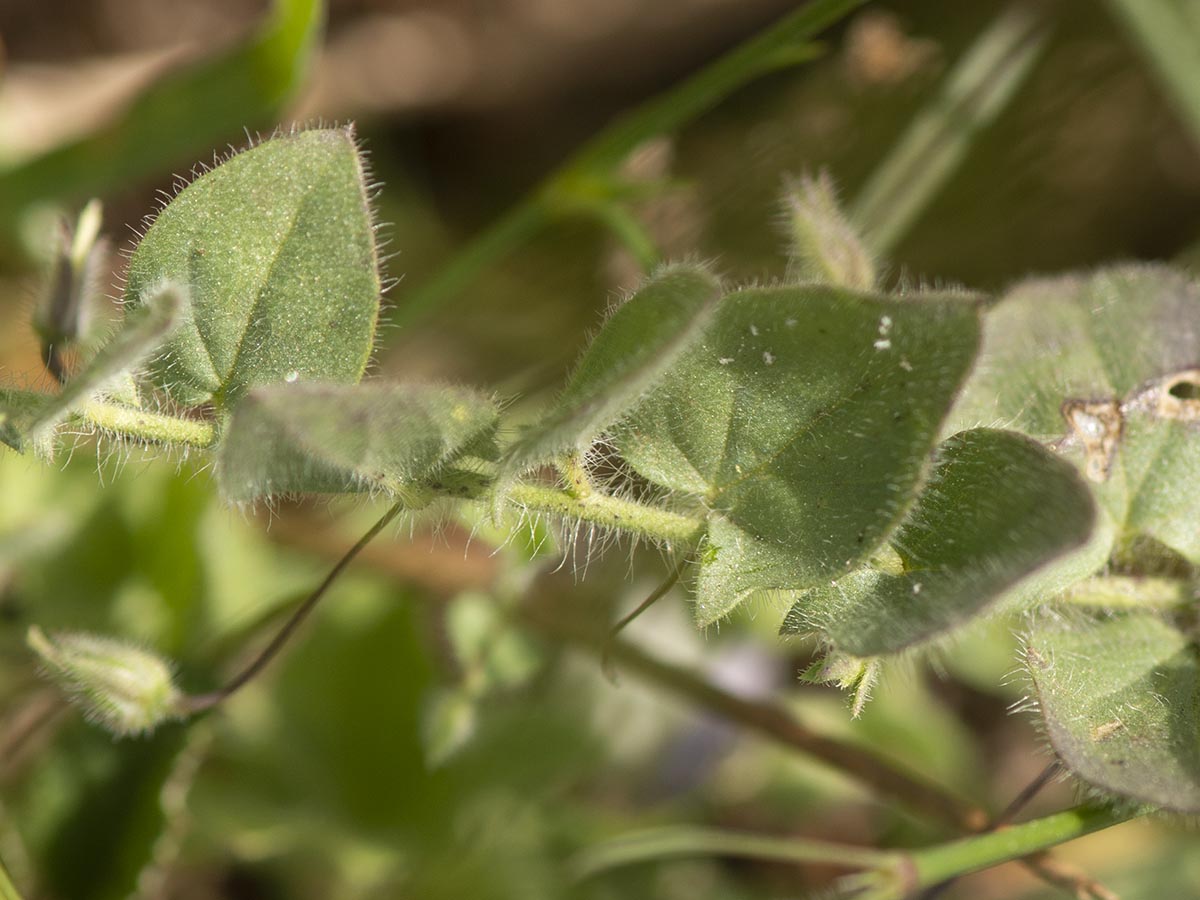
1120	697
321	438
998	509
277	249
1105	365
804	420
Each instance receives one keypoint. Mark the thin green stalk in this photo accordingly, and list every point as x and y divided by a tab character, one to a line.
657	594
508	233
938	137
198	703
626	228
1169	36
148	426
682	842
923	869
783	44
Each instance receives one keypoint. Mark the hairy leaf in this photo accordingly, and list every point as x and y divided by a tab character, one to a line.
804	420
1120	697
636	347
17	410
277	248
997	509
144	330
1105	365
321	438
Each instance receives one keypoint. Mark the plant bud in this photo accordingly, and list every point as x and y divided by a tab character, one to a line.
122	687
825	246
64	313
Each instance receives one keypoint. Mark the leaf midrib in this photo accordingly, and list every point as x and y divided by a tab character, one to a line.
221	392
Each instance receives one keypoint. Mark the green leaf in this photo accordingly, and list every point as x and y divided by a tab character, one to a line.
635	348
804	420
449	720
1103	366
277	248
998	508
1120	697
145	329
107	825
17	409
322	438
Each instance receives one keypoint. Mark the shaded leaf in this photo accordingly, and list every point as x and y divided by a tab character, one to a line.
1120	698
17	409
804	419
997	509
635	348
145	328
1106	365
321	438
101	838
277	248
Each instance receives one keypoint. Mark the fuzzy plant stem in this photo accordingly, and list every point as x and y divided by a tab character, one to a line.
147	426
628	516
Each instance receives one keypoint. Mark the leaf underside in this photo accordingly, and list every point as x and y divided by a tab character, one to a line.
321	438
1120	697
997	509
803	420
634	349
277	248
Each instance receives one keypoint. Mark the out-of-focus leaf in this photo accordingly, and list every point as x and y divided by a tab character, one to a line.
804	420
449	722
637	345
1168	32
1120	697
998	508
277	249
321	438
17	409
1106	364
144	330
179	116
491	650
101	811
